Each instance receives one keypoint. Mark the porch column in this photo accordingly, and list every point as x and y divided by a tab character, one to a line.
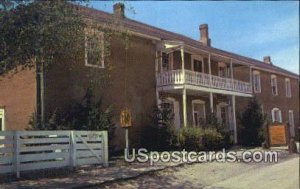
231	73
250	73
211	98
184	89
211	102
184	107
156	77
182	63
234	119
209	70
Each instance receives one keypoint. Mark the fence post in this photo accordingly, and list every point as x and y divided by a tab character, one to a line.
73	149
16	156
105	148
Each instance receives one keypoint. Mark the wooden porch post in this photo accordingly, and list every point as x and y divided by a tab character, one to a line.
231	73
234	119
209	70
211	102
211	98
156	77
184	89
250	70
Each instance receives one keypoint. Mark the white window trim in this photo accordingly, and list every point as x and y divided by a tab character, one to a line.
199	58
273	114
255	73
276	85
2	114
288	90
102	52
197	101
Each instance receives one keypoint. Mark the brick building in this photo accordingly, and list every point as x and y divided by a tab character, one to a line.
192	76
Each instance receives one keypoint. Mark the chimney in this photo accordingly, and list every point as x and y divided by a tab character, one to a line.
204	37
119	10
267	60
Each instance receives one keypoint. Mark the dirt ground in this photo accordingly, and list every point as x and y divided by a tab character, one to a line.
284	174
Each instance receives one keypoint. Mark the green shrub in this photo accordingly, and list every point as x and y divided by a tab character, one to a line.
190	138
197	139
212	139
159	134
251	131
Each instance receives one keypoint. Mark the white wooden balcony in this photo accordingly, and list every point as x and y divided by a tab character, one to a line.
175	77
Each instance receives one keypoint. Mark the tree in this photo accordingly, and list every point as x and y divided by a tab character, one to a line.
33	34
252	124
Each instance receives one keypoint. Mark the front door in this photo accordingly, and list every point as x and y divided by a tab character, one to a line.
174	106
223	114
198	113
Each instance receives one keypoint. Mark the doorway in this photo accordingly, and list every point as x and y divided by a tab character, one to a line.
174	106
199	117
224	115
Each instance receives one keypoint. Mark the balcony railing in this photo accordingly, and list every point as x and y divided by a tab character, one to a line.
175	77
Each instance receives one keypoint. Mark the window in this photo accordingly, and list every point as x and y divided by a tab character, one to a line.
198	112
288	91
274	85
2	119
256	82
197	64
276	115
94	49
167	61
223	71
291	123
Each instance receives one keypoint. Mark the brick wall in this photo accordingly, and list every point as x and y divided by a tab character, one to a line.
18	97
269	101
67	83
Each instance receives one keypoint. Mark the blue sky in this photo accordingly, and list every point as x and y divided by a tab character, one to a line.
253	29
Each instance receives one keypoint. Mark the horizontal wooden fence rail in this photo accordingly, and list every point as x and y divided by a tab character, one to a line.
33	150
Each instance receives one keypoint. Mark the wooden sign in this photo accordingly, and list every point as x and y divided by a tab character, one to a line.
125	118
277	135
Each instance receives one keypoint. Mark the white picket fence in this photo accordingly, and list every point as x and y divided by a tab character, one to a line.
33	150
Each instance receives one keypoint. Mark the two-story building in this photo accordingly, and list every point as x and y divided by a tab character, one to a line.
192	76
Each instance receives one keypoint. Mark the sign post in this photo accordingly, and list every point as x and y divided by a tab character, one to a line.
125	120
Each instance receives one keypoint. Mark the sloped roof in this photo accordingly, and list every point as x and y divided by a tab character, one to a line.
146	29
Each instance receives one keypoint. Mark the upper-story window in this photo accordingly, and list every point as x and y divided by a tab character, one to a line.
276	115
167	61
288	90
197	64
94	48
274	85
223	71
256	82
